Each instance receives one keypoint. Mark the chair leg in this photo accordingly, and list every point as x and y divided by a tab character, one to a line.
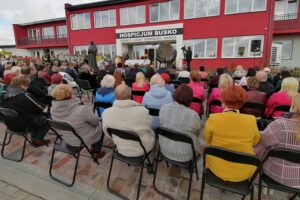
202	185
259	188
9	139
154	186
243	197
140	181
196	170
58	180
190	182
167	164
252	193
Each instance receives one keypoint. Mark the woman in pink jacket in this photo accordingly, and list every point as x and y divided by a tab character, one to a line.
224	82
198	91
289	88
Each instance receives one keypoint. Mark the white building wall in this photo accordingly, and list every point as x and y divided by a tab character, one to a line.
18	52
295	58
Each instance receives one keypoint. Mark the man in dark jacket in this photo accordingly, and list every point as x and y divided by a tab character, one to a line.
30	111
264	85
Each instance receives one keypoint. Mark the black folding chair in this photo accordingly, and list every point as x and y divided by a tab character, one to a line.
189	165
98	105
84	86
212	103
12	115
176	83
242	188
137	93
199	101
153	111
237	79
135	161
254	106
283	154
184	80
62	146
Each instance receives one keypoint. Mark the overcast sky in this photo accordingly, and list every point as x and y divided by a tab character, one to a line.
22	11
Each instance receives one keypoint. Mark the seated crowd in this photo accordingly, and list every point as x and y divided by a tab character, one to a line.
230	125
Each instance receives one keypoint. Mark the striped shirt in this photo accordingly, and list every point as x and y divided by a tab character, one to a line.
281	133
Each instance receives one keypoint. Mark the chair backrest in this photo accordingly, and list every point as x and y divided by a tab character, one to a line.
204	80
197	100
231	156
253	105
283	108
84	84
284	154
56	126
237	78
184	79
8	112
213	85
153	111
102	105
137	93
126	135
176	136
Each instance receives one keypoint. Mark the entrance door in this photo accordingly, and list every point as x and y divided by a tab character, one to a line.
151	55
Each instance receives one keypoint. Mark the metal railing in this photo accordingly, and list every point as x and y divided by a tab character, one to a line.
289	16
42	41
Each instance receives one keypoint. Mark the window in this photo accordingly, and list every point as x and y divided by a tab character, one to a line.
33	34
240	47
48	32
106	18
287	49
80	21
133	15
164	11
203	48
286	9
107	51
62	31
81	50
242	6
201	8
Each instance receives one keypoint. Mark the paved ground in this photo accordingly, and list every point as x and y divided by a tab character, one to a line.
30	177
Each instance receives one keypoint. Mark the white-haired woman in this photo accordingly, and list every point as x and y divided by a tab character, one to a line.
224	81
106	93
289	88
157	96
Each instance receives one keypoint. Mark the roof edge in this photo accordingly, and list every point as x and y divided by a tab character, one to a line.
71	7
43	21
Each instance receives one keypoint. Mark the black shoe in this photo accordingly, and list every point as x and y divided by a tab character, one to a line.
38	143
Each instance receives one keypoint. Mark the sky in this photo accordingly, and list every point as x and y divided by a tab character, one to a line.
23	11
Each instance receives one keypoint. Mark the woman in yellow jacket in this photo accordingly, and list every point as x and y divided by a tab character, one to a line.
233	131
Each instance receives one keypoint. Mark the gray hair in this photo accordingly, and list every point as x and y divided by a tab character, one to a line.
108	81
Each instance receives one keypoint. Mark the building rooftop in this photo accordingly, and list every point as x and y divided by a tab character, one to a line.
43	21
96	4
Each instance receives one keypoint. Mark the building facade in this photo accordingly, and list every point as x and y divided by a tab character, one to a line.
219	32
287	31
48	35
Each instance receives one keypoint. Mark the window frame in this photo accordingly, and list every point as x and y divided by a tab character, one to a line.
250	11
99	12
57	31
292	48
169	7
249	53
205	47
84	21
110	50
127	15
48	36
195	10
